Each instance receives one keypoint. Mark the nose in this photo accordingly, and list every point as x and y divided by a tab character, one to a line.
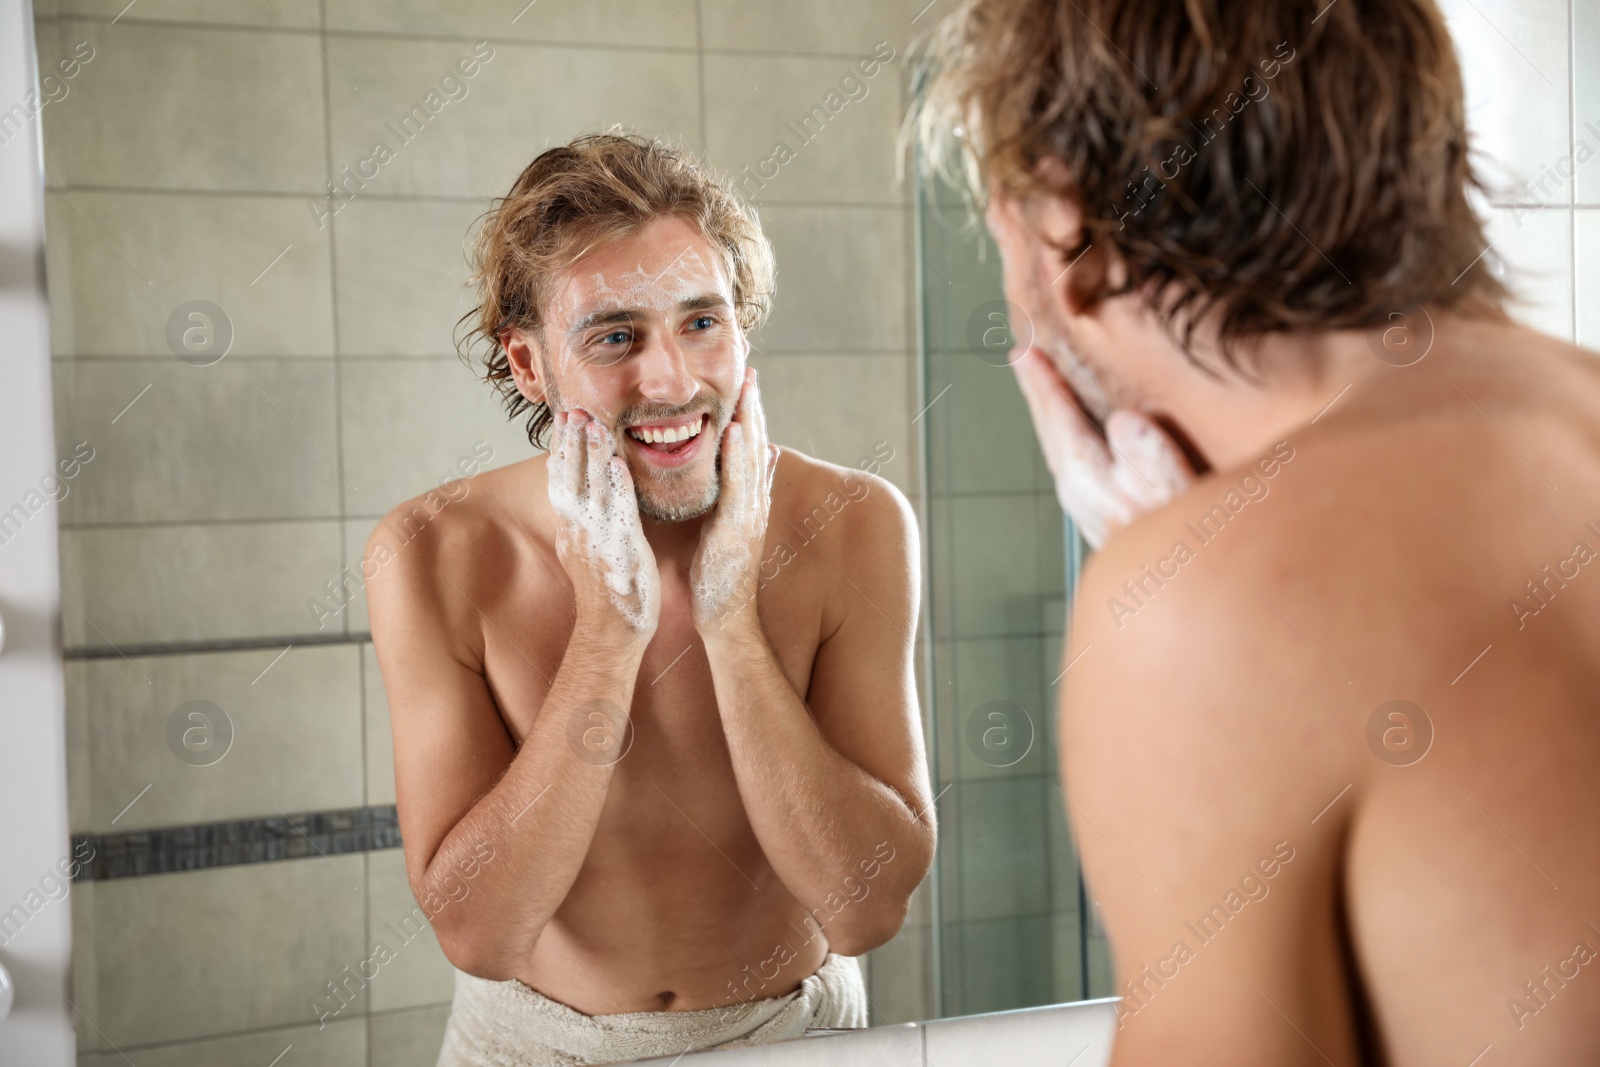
664	375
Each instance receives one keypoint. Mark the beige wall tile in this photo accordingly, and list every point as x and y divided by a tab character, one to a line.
342	1043
840	407
181	108
132	259
817	26
763	126
631	22
194	583
900	977
522	101
301	14
356	531
204	953
402	275
246	440
408	1038
408	424
80	799
418	974
379	733
296	736
85	976
844	279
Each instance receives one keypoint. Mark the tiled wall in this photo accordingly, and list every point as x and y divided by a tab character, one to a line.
189	161
1533	93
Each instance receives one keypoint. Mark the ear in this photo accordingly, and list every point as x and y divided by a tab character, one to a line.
527	369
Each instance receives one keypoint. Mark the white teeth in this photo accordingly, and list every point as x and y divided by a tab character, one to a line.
671	435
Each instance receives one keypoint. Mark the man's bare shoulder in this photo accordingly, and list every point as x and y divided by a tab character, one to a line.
464	535
868	512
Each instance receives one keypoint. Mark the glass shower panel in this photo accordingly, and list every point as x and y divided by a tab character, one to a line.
1011	921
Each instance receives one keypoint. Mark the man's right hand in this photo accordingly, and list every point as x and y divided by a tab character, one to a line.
1102	482
599	537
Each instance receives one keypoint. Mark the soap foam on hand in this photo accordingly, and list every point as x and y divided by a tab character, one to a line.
592	494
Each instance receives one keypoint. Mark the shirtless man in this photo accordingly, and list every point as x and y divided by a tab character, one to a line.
1398	499
657	746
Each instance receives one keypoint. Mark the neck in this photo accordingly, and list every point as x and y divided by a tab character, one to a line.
1233	417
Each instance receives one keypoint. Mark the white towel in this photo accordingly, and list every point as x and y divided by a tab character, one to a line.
507	1024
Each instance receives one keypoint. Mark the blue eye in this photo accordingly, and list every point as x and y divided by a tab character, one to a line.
616	337
707	321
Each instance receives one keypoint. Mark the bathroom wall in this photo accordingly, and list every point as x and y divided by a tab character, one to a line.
188	159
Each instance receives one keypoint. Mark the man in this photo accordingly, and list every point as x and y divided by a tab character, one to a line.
655	726
1329	728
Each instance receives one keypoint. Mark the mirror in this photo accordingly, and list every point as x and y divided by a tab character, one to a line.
259	217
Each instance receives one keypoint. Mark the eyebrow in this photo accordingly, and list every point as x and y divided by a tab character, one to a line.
620	316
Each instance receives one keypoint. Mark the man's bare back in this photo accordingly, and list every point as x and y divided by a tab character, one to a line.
675	906
1441	895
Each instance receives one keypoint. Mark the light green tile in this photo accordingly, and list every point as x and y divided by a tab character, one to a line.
994	545
417	974
818	26
272	14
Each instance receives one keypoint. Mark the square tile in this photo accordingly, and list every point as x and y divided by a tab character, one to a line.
295	728
993	854
471	137
844	279
131	585
845	409
649	23
245	440
981	437
402	274
994	547
998	965
417	974
992	723
206	953
409	1038
901	979
410	424
1534	245
1514	58
802	129
125	265
176	107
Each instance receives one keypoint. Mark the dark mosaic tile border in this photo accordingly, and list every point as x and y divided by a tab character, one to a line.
204	846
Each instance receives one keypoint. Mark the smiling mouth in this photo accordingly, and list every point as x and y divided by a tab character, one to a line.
667	438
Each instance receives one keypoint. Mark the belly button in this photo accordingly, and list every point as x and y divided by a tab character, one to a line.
666	997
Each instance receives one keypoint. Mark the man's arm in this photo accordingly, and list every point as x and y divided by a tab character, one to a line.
1201	735
838	793
511	827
